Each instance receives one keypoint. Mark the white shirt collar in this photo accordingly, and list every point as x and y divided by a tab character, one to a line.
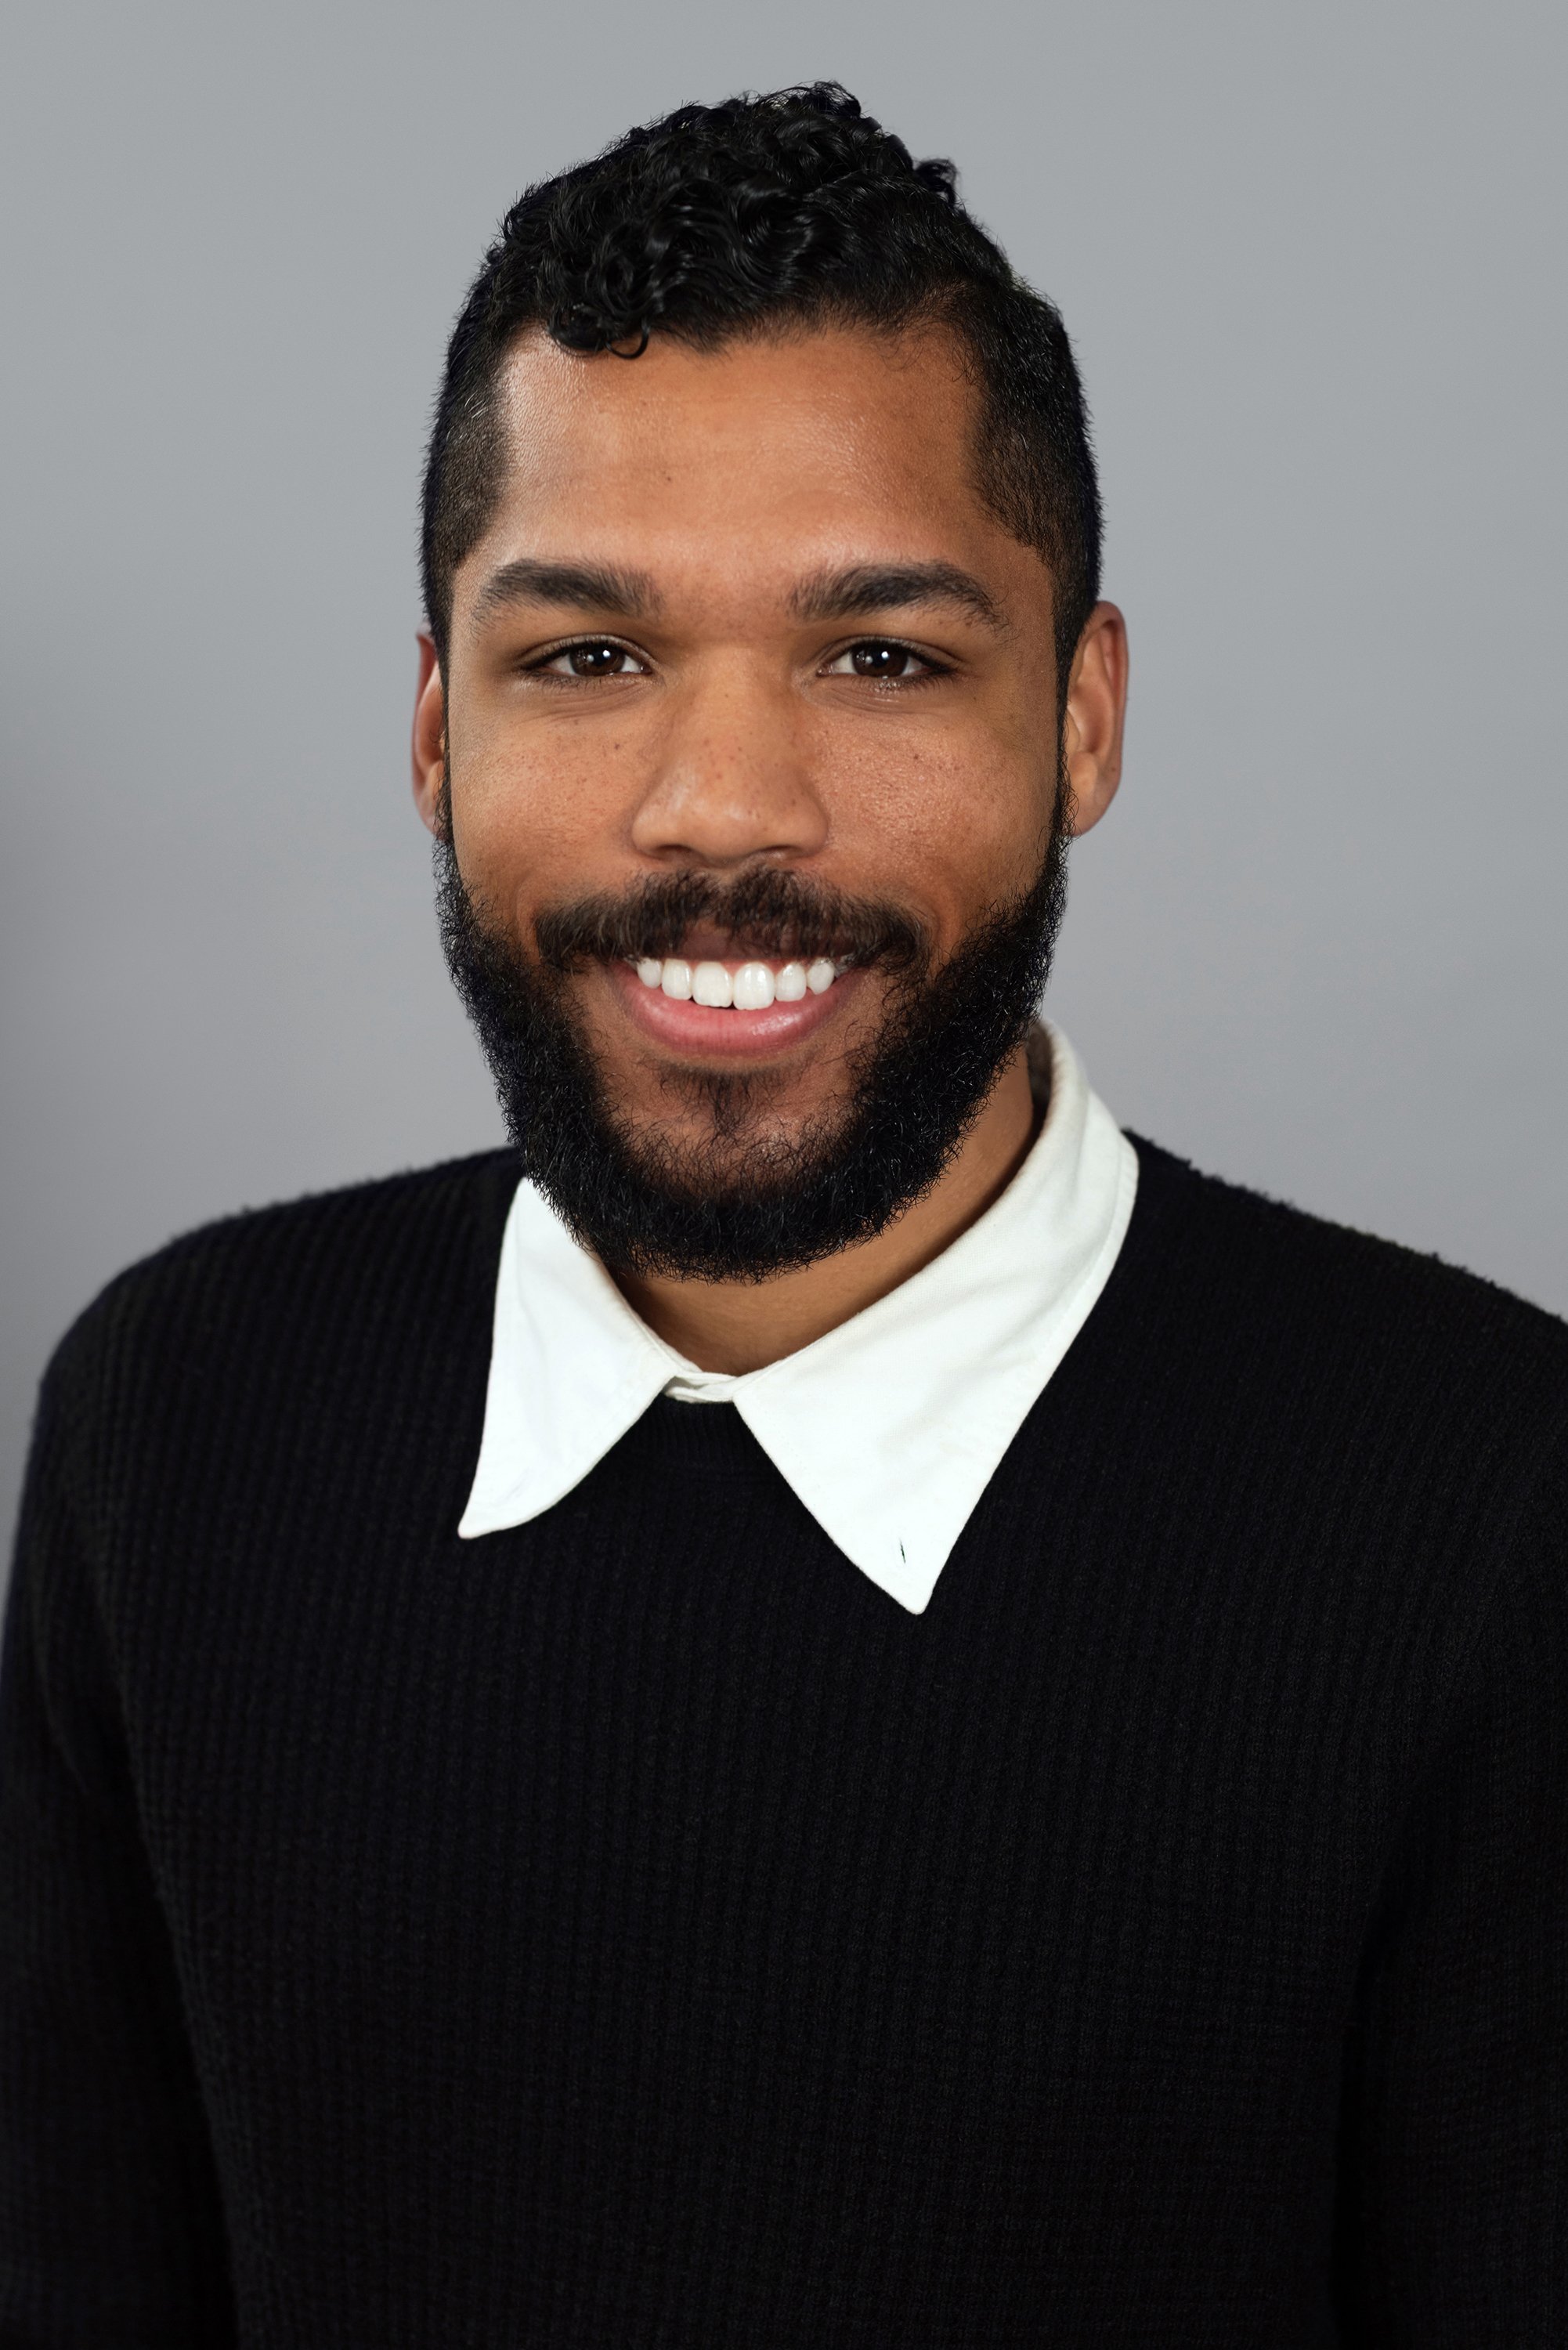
889	1428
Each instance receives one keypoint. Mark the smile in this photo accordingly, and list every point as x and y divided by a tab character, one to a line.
709	1008
749	986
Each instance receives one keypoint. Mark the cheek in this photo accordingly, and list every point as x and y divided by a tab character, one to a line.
952	828
540	819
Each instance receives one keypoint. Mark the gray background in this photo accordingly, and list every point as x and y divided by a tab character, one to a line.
1311	258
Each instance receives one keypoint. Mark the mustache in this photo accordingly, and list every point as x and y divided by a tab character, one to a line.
767	912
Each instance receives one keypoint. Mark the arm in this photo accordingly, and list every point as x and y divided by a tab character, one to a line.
110	2228
1455	2203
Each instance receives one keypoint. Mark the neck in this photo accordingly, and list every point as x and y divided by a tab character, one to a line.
740	1326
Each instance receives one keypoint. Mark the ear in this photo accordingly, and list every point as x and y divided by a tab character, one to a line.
1095	715
429	739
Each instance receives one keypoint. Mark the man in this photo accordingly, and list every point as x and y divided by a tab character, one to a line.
862	1711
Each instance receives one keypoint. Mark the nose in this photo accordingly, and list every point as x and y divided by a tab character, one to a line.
732	781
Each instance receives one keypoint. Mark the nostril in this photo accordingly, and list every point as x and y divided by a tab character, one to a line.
724	815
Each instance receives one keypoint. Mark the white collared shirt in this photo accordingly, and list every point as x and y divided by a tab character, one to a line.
890	1427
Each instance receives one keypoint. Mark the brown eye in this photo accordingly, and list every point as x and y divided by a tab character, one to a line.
595	660
591	657
881	661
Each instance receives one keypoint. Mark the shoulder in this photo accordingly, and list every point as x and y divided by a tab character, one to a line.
1341	1332
279	1283
1253	1250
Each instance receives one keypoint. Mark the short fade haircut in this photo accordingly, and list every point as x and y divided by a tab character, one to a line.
760	214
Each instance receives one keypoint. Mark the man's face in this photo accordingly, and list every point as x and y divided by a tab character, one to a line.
742	637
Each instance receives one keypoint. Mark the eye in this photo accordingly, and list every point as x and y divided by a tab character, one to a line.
883	661
592	657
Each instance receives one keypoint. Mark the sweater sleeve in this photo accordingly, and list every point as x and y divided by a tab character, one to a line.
110	2228
1457	2121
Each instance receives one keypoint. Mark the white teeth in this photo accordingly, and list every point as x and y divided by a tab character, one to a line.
749	988
754	987
710	983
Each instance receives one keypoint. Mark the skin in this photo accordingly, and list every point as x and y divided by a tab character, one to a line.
753	493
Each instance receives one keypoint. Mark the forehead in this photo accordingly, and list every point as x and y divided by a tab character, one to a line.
747	464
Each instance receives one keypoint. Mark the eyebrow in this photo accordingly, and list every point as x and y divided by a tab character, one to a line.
574	587
844	594
866	588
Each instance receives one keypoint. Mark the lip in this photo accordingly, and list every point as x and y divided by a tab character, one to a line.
705	1030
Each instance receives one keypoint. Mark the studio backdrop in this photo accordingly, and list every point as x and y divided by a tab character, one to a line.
1312	261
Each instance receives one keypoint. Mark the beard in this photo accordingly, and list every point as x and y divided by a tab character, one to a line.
740	1199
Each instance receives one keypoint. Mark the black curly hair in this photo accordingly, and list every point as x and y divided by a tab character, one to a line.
792	207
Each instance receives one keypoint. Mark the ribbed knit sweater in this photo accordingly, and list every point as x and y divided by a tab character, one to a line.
635	1930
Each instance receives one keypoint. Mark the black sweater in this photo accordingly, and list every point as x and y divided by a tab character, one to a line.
636	1929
